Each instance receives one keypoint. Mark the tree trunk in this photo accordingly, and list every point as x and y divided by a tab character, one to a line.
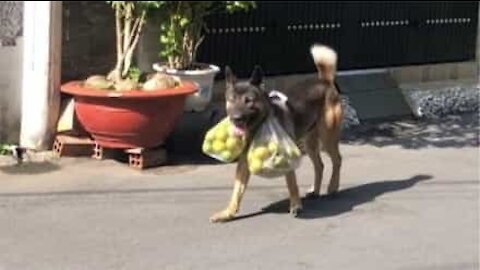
115	74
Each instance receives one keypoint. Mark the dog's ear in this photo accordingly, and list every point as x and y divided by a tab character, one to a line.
257	76
230	78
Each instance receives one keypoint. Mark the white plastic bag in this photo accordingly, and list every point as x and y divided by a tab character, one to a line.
272	152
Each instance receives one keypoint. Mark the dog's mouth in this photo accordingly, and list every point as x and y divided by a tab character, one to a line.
239	128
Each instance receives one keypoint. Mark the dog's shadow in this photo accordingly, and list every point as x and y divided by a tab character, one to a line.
342	202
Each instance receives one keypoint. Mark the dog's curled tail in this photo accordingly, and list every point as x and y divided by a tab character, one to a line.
325	59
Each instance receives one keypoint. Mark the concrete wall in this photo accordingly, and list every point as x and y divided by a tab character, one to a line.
10	70
465	71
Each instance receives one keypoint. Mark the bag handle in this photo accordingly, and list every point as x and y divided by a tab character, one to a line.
280	99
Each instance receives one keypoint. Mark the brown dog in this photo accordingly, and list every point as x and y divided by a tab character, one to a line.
314	112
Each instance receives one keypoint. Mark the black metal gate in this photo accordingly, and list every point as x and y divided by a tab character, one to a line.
277	35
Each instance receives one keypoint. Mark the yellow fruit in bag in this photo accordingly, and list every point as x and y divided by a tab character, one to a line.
296	152
210	136
232	143
280	161
261	152
272	153
255	165
222	142
221	135
206	147
226	155
218	146
273	147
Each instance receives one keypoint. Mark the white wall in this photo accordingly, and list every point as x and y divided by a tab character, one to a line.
10	91
478	46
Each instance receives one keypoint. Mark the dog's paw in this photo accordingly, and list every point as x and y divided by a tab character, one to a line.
312	195
222	216
296	210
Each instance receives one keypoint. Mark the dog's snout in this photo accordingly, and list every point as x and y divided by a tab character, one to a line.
238	117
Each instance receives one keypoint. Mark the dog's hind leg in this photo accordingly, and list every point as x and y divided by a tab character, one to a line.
241	181
295	201
313	151
336	158
330	138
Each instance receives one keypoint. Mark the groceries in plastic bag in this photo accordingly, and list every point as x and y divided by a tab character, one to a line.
224	141
272	152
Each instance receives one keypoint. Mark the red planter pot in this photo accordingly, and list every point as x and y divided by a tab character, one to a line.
129	119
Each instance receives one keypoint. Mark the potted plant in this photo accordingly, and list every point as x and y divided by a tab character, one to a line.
181	35
122	109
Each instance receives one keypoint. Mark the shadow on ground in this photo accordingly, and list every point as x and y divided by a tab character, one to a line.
30	168
344	201
451	131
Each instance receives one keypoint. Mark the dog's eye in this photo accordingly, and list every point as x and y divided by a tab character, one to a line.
249	99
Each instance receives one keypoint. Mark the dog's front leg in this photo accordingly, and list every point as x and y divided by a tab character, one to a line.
242	176
295	201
